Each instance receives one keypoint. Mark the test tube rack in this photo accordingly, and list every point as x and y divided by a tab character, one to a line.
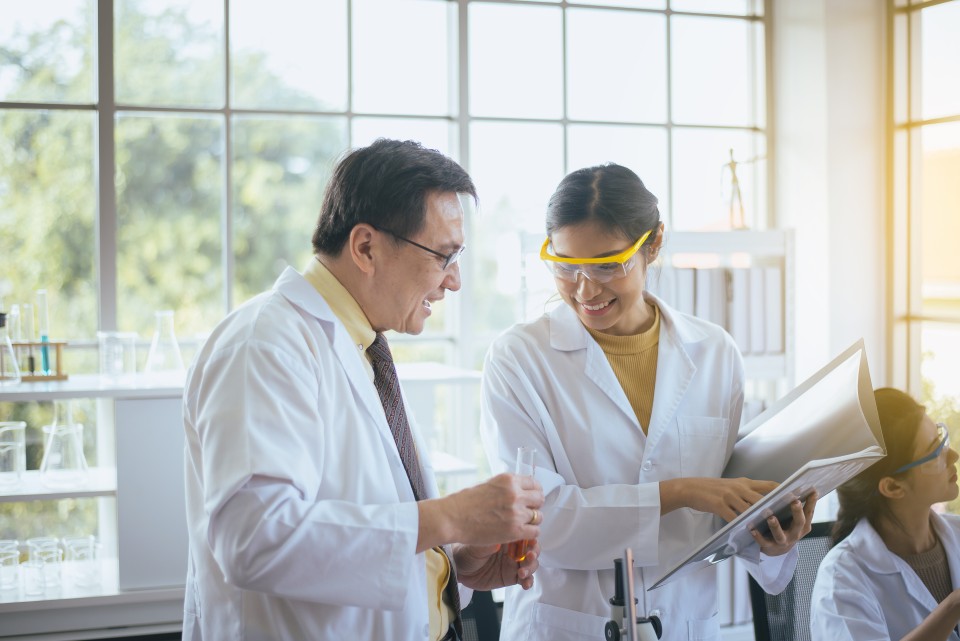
25	349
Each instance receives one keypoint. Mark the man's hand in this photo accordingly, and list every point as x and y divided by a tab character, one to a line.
782	541
502	509
484	567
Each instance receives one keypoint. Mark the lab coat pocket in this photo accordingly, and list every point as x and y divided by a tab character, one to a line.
560	624
702	445
704	629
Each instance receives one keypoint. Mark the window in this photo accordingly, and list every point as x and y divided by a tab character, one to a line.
172	154
924	271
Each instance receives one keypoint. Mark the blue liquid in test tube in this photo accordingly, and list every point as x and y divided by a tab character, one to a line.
43	320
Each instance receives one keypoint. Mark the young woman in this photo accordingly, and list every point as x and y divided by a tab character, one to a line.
634	410
894	570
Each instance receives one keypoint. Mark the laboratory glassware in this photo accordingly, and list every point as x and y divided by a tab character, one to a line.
9	368
9	568
46	550
63	463
13	454
43	323
26	324
118	355
517	550
81	559
164	355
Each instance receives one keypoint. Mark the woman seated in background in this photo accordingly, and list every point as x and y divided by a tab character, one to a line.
894	570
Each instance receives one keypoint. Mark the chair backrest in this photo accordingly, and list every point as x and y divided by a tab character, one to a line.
786	616
481	619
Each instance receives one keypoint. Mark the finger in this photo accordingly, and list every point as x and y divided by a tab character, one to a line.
800	519
763	487
810	505
776	530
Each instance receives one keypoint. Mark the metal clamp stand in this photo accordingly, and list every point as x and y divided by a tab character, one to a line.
624	610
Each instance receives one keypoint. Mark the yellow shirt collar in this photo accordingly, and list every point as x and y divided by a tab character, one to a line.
344	306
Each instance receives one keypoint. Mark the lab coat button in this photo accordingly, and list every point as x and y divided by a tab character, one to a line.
656	613
647	466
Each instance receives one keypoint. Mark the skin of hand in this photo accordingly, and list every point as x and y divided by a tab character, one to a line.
782	541
484	567
724	497
498	510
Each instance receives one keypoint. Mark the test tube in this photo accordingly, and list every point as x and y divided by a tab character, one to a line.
43	321
26	320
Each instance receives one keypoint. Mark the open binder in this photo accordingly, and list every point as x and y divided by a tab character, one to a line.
818	436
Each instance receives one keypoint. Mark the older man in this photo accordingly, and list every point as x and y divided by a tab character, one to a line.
311	505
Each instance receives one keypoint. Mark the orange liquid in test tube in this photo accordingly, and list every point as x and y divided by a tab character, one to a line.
517	550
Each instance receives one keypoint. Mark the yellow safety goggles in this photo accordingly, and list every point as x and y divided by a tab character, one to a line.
599	270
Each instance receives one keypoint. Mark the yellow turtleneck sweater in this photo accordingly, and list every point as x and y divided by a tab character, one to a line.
634	361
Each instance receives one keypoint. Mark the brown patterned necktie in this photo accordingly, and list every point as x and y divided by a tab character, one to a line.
388	388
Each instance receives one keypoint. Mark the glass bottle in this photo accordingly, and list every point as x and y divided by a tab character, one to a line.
63	463
9	368
164	356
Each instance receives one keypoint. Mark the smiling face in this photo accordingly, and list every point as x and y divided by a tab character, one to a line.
413	278
615	307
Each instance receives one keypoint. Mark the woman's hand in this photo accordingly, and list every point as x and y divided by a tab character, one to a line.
727	498
781	541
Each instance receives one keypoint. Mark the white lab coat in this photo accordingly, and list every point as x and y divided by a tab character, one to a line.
548	385
865	592
301	519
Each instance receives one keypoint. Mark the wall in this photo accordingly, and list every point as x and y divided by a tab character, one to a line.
828	120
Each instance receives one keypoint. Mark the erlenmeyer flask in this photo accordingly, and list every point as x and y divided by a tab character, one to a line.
63	463
164	356
9	368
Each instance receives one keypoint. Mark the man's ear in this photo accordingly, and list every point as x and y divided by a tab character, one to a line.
891	488
362	245
653	249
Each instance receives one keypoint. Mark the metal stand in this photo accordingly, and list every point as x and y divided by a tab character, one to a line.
624	608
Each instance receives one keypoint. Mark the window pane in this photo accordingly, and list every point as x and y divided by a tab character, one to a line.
169	203
299	63
940	231
48	51
47	210
938	369
616	65
435	134
633	4
713	71
402	70
516	167
642	149
516	61
280	169
940	63
702	181
729	7
169	52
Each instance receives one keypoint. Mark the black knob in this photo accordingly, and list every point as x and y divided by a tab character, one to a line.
611	631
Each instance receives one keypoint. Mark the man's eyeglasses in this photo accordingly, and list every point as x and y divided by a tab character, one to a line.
448	259
598	270
936	461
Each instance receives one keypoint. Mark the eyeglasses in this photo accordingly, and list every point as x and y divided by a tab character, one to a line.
936	461
448	259
598	270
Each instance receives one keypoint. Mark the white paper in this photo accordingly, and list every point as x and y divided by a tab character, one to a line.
820	435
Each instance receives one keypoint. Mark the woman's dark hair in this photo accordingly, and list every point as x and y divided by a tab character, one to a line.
385	185
900	418
610	194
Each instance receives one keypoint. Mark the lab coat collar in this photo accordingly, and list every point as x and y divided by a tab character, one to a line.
567	333
298	290
879	559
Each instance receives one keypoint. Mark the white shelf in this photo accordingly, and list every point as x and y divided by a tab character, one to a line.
95	386
101	481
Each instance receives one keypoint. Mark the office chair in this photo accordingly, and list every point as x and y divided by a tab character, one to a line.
786	616
481	619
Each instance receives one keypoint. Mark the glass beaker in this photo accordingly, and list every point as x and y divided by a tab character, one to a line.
164	356
525	466
9	368
13	454
81	556
63	463
118	356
